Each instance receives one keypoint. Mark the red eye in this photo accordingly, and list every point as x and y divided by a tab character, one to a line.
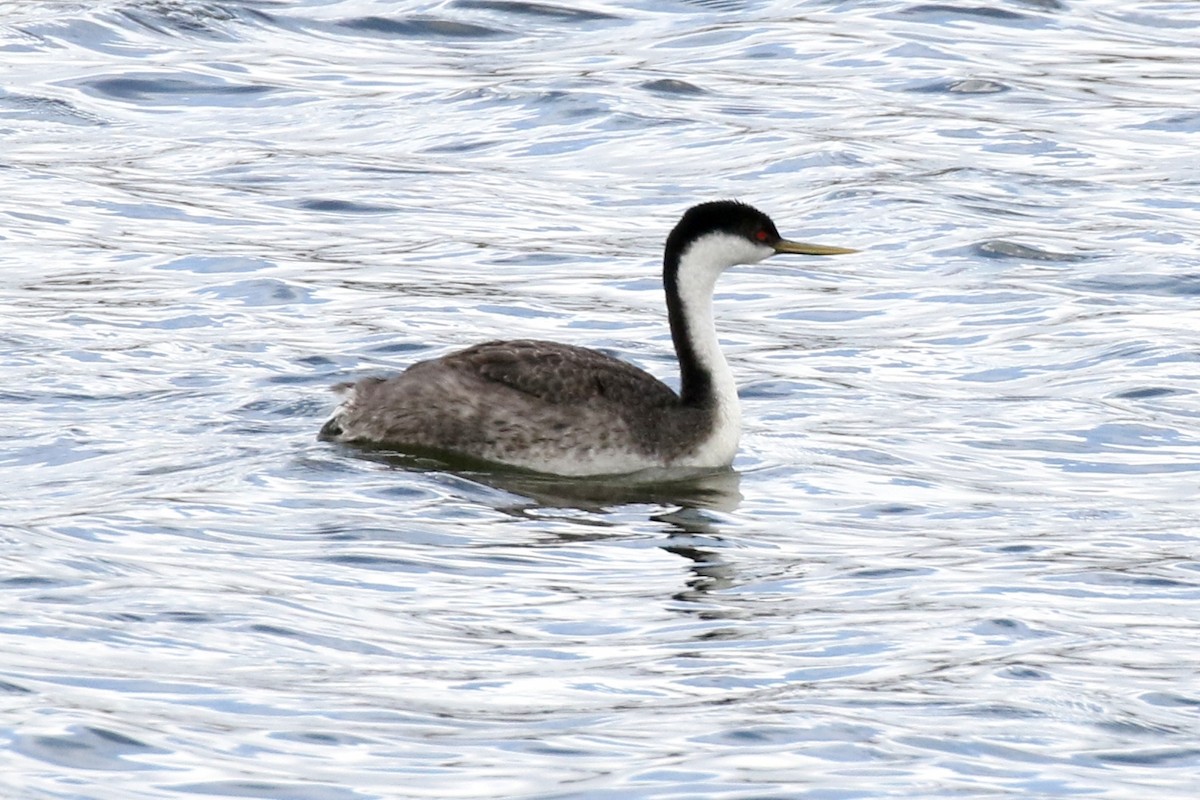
761	235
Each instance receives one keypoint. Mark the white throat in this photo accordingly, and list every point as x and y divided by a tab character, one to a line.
699	267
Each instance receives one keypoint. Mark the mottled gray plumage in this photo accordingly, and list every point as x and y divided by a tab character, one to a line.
572	411
524	402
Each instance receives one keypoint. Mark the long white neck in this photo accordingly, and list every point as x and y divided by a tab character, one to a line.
706	379
696	297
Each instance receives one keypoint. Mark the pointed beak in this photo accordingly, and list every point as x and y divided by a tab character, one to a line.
806	249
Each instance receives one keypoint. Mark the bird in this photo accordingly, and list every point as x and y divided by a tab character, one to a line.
572	411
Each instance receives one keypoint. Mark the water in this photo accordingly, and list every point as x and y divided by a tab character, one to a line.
958	556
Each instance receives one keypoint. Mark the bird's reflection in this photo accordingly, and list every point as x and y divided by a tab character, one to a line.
689	491
716	489
691	531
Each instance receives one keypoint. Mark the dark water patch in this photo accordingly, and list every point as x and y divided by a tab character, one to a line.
1007	630
1188	122
44	109
204	265
1016	548
998	711
954	341
771	389
315	361
188	617
520	312
216	21
376	562
30	581
1110	435
1124	728
271	411
826	157
1147	393
322	738
463	146
550	107
422	28
336	534
318	640
535	259
61	452
139	686
543	10
720	5
828	315
752	736
893	509
1185	285
1001	248
541	748
968	745
171	209
269	790
180	323
297	380
1107	468
959	86
814	674
1156	757
1170	700
13	688
888	573
1170	356
177	88
1111	438
344	207
566	107
392	348
262	292
90	35
671	86
28	217
1152	17
85	747
944	12
869	455
1116	578
1019	673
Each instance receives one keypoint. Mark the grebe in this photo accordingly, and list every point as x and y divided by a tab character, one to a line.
567	410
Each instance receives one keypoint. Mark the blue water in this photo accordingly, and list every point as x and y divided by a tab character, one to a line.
959	553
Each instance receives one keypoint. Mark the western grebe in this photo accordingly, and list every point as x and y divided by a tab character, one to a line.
569	410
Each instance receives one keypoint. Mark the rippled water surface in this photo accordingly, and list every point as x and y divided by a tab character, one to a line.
958	556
